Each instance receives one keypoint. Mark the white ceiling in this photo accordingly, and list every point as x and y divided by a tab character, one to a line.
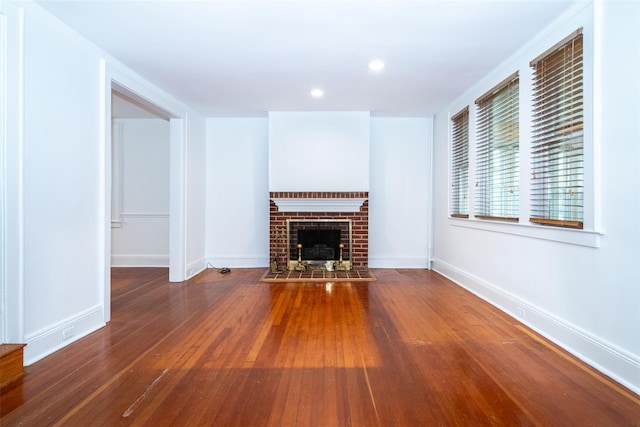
245	58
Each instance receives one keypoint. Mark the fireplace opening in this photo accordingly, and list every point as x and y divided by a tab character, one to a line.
317	241
319	244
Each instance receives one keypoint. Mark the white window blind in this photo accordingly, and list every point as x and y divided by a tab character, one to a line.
497	155
557	154
460	164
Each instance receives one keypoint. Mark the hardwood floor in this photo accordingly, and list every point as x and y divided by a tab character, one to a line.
411	349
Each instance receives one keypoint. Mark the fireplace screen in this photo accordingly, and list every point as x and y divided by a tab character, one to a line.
318	244
319	240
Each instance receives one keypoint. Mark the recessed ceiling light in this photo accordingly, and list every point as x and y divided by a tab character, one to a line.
376	65
317	93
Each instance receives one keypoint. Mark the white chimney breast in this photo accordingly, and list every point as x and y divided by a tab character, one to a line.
319	151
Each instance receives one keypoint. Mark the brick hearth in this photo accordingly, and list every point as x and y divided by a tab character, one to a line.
359	224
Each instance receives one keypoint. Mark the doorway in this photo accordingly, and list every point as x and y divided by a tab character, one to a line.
139	185
140	101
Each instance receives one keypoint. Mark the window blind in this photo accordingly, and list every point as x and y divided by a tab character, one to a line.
460	164
497	155
557	153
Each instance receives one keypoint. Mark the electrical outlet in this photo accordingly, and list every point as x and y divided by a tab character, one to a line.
68	332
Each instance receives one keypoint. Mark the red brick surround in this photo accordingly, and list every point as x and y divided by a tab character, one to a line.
359	223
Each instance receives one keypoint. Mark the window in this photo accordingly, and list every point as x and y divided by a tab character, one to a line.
497	171
557	153
460	164
558	150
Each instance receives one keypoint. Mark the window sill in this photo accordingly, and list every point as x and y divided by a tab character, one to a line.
556	234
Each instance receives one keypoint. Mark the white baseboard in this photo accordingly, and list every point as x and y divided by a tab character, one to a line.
259	262
399	262
196	267
248	262
140	260
46	341
615	362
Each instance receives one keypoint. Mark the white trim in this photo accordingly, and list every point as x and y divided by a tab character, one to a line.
126	217
196	267
597	113
556	234
430	196
105	189
49	340
139	260
257	261
19	226
606	357
117	141
399	262
177	201
319	204
4	320
143	215
12	180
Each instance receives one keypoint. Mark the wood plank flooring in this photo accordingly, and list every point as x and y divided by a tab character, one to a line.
410	349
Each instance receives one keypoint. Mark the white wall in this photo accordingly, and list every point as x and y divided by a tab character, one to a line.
11	149
62	187
400	192
319	151
237	202
238	194
196	194
140	237
59	179
576	287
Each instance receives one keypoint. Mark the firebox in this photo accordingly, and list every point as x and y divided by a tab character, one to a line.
315	242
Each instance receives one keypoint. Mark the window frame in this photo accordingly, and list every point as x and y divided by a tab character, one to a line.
552	163
459	163
498	108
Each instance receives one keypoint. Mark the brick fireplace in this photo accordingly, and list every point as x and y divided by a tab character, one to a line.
320	208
